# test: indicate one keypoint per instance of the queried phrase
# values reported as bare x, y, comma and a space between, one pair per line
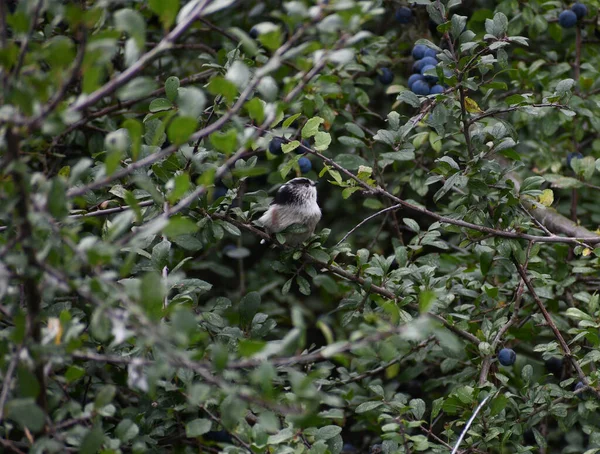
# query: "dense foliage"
454, 272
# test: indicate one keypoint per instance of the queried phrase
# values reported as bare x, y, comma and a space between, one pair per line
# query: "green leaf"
190, 101
152, 295
225, 142
221, 86
350, 161
311, 127
327, 432
139, 87
160, 104
104, 396
132, 23
180, 129
92, 441
322, 141
197, 427
172, 86
368, 406
248, 307
256, 110
280, 437
126, 430
26, 413
57, 200
166, 10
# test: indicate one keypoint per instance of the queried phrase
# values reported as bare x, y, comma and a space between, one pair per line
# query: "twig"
60, 94
25, 42
133, 70
563, 344
367, 219
32, 295
233, 435
7, 379
485, 367
469, 422
491, 113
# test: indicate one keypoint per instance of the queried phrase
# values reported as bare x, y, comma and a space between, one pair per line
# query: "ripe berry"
218, 192
418, 65
429, 77
253, 33
304, 146
221, 436
420, 87
386, 76
507, 357
403, 15
305, 164
418, 51
554, 365
275, 145
579, 386
413, 78
579, 9
567, 19
573, 155
430, 53
436, 90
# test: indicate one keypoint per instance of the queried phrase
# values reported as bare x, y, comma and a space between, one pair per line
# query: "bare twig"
367, 219
469, 422
136, 68
7, 379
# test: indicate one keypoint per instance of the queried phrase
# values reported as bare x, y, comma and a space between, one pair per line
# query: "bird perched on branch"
295, 210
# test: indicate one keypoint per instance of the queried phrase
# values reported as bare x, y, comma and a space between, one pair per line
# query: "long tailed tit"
294, 203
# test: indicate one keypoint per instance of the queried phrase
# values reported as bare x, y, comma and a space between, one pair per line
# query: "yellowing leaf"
472, 106
55, 328
586, 252
547, 197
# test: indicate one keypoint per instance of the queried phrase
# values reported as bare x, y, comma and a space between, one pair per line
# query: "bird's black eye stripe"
285, 196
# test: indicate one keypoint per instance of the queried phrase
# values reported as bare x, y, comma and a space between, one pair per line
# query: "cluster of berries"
569, 17
423, 81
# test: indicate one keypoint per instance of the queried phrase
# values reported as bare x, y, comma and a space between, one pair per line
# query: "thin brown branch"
491, 113
32, 295
131, 72
557, 334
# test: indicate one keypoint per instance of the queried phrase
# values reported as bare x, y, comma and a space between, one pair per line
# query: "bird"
295, 204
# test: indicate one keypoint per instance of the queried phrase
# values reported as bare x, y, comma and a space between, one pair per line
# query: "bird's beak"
313, 183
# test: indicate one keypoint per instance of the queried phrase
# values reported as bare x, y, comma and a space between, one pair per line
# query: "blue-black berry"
275, 145
304, 146
567, 19
573, 155
403, 15
418, 65
579, 9
253, 33
414, 78
418, 51
436, 90
507, 357
554, 365
304, 164
420, 87
579, 386
386, 76
430, 53
429, 77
